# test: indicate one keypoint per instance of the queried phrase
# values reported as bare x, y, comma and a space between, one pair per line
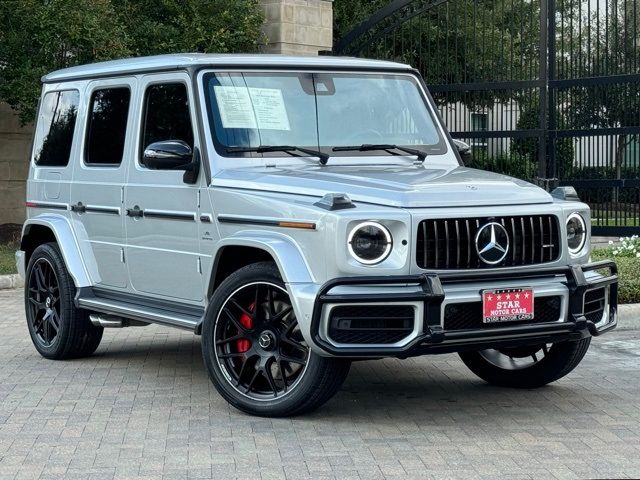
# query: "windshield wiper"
323, 157
366, 147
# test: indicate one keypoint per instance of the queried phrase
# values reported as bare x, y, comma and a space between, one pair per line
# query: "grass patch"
628, 271
8, 259
615, 222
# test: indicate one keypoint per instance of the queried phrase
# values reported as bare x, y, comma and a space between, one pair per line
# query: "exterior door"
99, 175
162, 221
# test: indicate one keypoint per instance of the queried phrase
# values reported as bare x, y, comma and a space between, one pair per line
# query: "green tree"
38, 36
165, 26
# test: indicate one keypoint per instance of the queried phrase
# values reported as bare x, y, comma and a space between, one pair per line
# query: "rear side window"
166, 114
107, 128
56, 124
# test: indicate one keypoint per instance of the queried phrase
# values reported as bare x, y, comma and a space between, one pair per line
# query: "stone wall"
298, 27
15, 143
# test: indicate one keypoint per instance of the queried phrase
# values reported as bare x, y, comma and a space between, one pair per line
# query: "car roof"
182, 61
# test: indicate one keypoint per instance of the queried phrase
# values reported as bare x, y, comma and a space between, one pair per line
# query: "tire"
58, 329
546, 363
254, 352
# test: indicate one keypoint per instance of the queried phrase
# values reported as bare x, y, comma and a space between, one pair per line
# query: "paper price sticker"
242, 107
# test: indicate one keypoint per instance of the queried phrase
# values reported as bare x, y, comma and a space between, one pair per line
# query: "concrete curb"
11, 281
629, 316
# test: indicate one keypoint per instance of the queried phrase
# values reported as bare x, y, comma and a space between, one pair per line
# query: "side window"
107, 126
166, 114
56, 124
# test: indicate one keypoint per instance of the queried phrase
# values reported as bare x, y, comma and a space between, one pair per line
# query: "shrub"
628, 268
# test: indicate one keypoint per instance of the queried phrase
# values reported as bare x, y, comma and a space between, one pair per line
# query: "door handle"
78, 208
135, 212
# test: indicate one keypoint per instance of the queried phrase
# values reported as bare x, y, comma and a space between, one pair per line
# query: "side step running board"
141, 313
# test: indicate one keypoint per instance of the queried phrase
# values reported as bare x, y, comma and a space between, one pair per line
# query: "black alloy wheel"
255, 351
258, 343
58, 329
44, 302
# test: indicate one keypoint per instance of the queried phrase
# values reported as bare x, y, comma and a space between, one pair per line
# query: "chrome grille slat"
523, 236
550, 240
468, 244
533, 241
437, 249
457, 244
446, 241
513, 235
541, 239
448, 244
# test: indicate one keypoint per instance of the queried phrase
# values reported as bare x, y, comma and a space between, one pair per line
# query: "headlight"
576, 233
369, 243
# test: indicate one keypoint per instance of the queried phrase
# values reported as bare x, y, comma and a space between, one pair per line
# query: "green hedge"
628, 271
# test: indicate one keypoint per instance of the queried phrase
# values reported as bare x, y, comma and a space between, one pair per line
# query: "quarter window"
56, 124
166, 114
107, 127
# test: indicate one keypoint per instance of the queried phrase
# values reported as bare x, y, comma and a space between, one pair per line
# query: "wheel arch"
249, 247
55, 228
255, 246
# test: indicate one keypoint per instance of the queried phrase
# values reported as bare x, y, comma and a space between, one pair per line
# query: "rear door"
162, 242
98, 180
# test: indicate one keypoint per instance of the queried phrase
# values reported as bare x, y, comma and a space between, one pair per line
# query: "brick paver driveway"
143, 407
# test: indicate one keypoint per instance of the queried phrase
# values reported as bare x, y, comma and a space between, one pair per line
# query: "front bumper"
429, 293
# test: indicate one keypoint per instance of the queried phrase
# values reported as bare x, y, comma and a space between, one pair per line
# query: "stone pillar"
15, 142
298, 27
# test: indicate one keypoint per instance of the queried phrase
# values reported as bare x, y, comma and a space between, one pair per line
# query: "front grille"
368, 324
450, 243
463, 316
594, 304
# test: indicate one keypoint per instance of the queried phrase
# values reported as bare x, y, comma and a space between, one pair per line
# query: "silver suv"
298, 213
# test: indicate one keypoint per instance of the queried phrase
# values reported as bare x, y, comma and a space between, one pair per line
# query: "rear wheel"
58, 329
255, 353
526, 367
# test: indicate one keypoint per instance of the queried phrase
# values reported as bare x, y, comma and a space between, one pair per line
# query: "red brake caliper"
245, 320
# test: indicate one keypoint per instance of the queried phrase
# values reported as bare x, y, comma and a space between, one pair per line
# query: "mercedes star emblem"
492, 243
265, 340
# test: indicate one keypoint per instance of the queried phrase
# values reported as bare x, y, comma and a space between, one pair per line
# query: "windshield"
318, 110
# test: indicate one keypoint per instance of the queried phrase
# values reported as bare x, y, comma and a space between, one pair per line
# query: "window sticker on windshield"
269, 108
235, 107
242, 107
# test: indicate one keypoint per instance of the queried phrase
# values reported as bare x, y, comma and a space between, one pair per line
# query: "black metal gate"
546, 90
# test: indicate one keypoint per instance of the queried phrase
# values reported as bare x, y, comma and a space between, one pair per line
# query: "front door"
162, 211
99, 175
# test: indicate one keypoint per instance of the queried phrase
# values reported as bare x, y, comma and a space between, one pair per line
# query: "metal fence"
546, 90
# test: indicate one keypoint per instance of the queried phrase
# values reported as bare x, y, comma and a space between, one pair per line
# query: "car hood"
399, 186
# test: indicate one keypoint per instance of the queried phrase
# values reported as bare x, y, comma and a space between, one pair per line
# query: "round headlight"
369, 243
576, 233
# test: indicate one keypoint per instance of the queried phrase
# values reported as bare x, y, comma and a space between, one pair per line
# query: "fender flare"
79, 261
289, 259
286, 253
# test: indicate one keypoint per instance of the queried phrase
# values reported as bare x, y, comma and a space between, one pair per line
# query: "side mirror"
168, 155
464, 149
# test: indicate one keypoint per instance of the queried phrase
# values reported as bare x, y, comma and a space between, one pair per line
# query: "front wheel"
526, 367
255, 353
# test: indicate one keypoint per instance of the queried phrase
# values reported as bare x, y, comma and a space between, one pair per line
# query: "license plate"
507, 305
